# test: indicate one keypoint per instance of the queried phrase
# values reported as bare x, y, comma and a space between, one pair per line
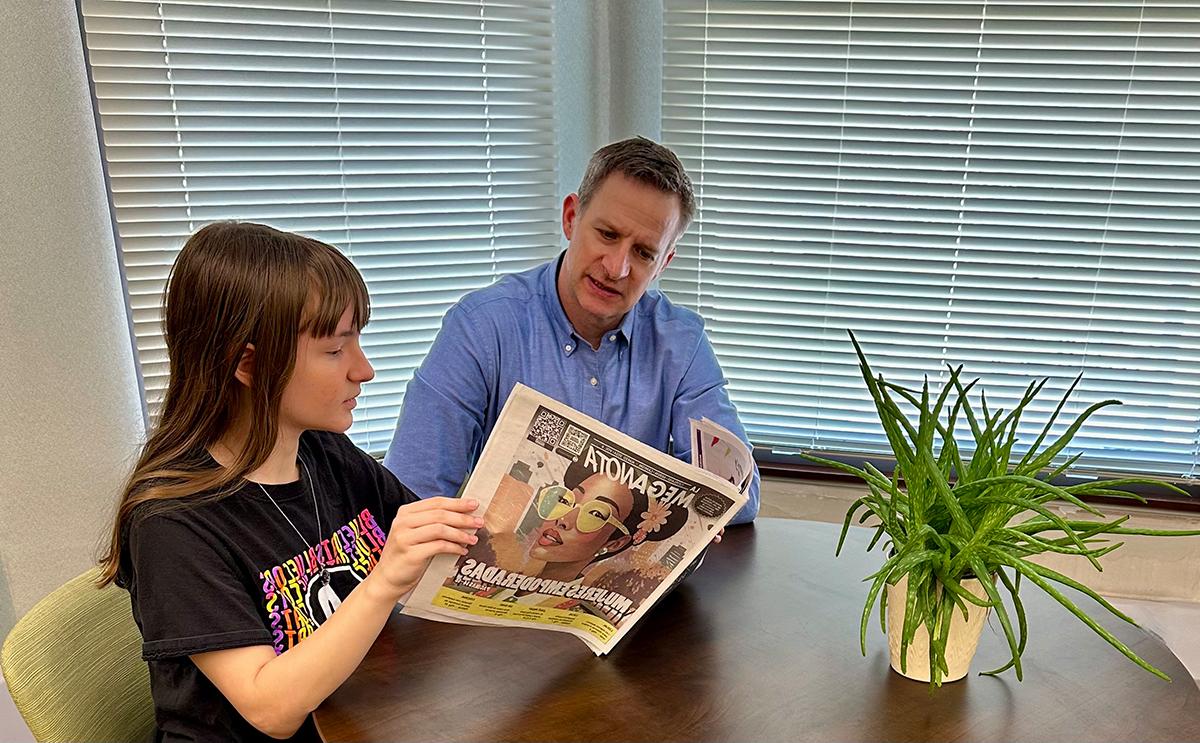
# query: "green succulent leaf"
958, 506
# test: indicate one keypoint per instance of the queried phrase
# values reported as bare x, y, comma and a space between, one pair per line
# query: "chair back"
74, 667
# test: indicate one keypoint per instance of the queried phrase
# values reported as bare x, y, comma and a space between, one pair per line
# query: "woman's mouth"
549, 537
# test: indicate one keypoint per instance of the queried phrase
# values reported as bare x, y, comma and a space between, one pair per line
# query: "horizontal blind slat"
411, 136
1007, 185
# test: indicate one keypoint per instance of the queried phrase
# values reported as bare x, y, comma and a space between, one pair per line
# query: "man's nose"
616, 262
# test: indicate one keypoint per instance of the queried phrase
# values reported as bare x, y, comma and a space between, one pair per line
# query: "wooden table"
761, 644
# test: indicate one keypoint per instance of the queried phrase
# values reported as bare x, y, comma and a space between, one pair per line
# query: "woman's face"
325, 383
560, 540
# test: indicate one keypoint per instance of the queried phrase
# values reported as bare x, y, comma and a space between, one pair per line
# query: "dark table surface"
760, 644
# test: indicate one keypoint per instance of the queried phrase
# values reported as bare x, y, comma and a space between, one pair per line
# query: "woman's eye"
596, 512
565, 500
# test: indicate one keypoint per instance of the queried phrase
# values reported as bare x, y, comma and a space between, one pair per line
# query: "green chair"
74, 668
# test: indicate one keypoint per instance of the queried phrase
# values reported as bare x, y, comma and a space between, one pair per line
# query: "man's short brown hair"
643, 160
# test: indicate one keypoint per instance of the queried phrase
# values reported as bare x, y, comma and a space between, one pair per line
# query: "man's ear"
245, 367
570, 211
667, 262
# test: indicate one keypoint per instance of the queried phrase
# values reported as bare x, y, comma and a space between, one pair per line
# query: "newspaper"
585, 528
716, 449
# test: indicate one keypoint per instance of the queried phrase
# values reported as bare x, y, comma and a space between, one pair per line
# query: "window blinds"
1013, 186
414, 136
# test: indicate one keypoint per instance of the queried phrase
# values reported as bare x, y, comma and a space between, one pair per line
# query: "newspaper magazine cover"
581, 532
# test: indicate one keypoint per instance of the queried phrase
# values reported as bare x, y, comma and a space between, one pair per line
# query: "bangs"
334, 285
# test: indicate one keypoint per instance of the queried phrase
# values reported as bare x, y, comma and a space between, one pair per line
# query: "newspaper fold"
716, 449
585, 528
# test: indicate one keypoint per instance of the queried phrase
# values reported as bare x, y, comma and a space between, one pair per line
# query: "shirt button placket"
592, 375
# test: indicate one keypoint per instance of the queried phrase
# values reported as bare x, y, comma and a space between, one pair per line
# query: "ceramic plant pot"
960, 645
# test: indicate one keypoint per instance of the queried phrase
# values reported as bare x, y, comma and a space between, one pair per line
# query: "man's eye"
335, 352
608, 234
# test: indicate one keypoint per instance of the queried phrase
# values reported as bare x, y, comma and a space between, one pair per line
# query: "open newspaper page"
584, 527
717, 450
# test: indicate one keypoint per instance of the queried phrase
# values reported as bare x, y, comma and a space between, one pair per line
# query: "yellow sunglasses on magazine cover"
556, 501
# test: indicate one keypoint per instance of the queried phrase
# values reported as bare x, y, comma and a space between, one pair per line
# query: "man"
581, 328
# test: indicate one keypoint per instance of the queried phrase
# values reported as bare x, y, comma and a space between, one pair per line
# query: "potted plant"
961, 523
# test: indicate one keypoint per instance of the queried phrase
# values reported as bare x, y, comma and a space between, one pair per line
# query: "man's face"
617, 245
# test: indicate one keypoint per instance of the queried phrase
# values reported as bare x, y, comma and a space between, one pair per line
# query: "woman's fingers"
427, 551
434, 532
423, 529
463, 505
439, 516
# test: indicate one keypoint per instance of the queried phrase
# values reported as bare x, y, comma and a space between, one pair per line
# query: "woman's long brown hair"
233, 284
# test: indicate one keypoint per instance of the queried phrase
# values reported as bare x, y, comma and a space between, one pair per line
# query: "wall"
71, 414
608, 78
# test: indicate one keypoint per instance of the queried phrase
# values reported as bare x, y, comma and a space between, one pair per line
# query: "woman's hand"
420, 531
275, 693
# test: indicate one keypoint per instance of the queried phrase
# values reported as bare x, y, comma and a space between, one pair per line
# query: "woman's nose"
363, 371
568, 519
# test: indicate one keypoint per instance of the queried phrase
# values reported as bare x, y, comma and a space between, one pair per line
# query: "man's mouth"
602, 288
549, 537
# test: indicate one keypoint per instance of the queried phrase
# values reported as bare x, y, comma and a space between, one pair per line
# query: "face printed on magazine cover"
570, 534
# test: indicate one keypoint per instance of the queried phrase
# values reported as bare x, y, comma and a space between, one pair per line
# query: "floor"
1147, 585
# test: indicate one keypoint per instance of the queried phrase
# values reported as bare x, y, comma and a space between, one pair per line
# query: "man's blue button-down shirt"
649, 376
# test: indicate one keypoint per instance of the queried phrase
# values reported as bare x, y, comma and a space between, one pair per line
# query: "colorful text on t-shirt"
294, 597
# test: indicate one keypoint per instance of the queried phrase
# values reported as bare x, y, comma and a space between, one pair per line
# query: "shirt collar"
568, 339
628, 322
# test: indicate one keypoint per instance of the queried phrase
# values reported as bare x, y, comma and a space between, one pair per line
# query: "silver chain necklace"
324, 572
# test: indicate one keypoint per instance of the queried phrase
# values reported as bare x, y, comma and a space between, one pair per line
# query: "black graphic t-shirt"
234, 573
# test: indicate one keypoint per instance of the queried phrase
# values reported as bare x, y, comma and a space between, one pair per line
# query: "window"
1014, 186
414, 136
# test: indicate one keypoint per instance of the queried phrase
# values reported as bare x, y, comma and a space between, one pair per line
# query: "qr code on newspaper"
547, 428
574, 440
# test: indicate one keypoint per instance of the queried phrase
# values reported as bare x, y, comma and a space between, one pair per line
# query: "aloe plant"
948, 518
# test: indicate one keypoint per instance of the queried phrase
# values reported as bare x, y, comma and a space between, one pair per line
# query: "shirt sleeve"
440, 429
702, 394
392, 492
186, 596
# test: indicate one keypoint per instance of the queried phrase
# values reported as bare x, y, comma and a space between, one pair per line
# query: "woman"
592, 517
250, 517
